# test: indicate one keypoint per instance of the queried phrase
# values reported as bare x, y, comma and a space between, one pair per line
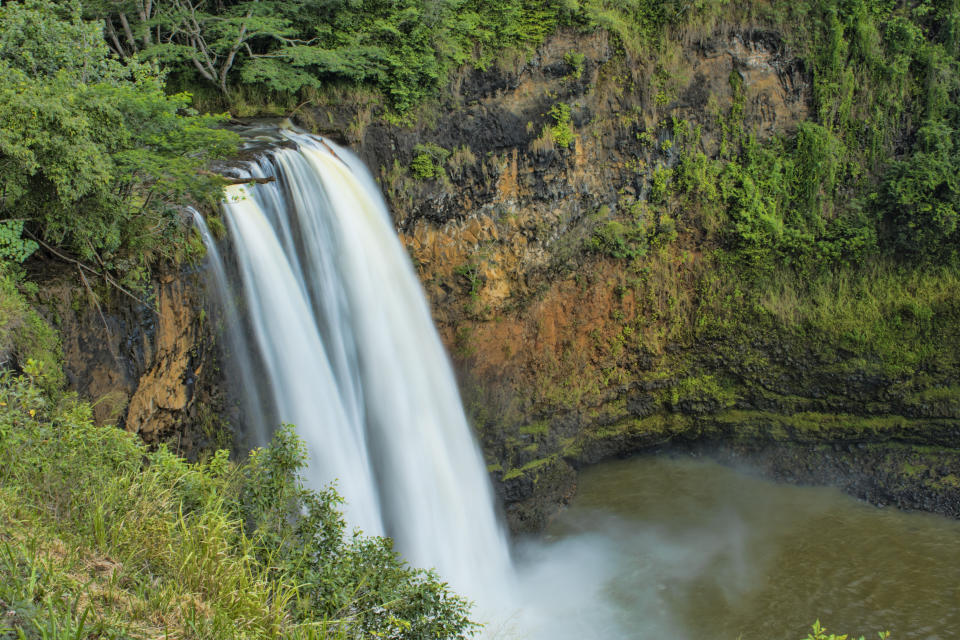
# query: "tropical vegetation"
101, 537
847, 226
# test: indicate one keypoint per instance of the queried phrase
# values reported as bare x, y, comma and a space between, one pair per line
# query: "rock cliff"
148, 363
512, 195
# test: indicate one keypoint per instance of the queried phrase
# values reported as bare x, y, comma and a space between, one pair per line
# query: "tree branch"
128, 32
203, 72
228, 63
114, 40
96, 301
231, 181
82, 266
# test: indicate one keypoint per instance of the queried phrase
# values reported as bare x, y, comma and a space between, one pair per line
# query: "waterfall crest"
351, 357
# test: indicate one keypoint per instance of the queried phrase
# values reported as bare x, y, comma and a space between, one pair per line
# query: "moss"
936, 395
511, 474
948, 482
533, 467
539, 428
913, 470
810, 426
657, 424
536, 464
653, 429
571, 449
26, 339
706, 388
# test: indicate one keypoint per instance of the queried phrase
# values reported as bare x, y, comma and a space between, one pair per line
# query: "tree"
209, 36
94, 155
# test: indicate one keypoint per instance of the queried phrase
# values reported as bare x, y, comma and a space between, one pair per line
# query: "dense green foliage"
404, 49
878, 153
27, 341
95, 157
561, 131
873, 174
101, 537
428, 161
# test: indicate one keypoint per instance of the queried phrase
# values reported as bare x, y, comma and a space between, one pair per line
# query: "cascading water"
253, 401
351, 358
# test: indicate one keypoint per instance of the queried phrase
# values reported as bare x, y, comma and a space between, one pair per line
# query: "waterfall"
252, 400
351, 357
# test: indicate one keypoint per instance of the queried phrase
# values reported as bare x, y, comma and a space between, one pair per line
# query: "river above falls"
687, 548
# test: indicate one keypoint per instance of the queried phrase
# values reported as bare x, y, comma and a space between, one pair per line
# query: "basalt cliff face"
570, 349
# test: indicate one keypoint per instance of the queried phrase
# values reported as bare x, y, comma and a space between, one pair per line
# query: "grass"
901, 313
100, 537
533, 465
87, 525
539, 428
812, 426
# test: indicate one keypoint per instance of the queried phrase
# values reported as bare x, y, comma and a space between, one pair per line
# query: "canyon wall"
149, 361
587, 314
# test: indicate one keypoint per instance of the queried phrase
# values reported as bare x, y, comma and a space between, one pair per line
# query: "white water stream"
351, 357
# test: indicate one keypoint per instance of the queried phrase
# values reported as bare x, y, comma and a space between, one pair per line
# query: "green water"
681, 548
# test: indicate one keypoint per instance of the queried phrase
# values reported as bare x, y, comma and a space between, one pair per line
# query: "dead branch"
231, 181
88, 269
332, 152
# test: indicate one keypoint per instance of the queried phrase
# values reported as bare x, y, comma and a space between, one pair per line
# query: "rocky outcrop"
149, 365
165, 389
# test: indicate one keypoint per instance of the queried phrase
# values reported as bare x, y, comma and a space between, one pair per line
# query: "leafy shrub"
921, 197
617, 240
621, 239
660, 187
576, 61
819, 632
561, 131
26, 339
13, 247
96, 157
427, 163
470, 272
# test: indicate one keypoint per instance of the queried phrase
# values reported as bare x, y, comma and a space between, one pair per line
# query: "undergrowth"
101, 537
